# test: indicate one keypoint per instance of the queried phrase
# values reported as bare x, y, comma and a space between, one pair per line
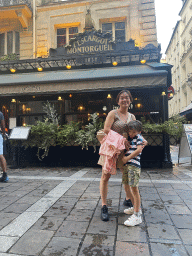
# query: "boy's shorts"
131, 175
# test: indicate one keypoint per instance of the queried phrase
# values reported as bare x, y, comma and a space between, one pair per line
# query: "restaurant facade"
79, 55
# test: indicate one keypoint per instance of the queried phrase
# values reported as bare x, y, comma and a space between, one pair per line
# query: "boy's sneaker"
104, 213
127, 203
133, 221
4, 177
131, 211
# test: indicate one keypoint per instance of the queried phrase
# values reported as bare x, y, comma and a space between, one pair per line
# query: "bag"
100, 135
120, 164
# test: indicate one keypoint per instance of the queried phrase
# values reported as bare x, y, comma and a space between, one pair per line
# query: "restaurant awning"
138, 76
187, 110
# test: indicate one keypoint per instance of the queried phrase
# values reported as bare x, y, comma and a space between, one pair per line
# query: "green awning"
137, 76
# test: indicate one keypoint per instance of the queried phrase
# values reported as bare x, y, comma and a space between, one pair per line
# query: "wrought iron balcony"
5, 3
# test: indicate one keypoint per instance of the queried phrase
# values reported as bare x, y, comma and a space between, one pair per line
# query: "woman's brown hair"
124, 91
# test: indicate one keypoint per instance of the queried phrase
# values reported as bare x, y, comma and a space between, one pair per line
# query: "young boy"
132, 170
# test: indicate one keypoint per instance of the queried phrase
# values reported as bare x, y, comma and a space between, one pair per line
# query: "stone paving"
54, 212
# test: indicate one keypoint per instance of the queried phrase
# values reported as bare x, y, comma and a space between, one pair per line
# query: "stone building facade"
179, 54
38, 25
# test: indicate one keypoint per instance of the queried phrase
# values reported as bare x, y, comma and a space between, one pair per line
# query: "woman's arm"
133, 117
109, 121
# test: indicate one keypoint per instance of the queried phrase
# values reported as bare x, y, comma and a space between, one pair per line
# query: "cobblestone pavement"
54, 212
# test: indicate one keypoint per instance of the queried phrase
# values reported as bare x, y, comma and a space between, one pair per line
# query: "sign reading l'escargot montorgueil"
89, 43
95, 47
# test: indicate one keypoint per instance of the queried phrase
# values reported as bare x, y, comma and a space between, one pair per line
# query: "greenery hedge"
50, 133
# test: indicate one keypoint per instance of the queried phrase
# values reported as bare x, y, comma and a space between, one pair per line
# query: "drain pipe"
34, 29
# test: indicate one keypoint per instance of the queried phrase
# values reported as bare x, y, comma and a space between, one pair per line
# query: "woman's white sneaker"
133, 221
131, 211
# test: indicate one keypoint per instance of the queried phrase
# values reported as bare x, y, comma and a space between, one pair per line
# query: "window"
117, 30
9, 43
64, 35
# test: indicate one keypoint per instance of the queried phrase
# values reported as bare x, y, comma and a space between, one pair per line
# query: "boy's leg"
125, 182
135, 219
134, 175
137, 199
128, 193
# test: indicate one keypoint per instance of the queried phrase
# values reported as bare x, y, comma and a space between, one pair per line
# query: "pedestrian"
132, 171
4, 177
117, 121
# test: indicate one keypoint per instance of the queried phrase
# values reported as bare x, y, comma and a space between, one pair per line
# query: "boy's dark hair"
135, 125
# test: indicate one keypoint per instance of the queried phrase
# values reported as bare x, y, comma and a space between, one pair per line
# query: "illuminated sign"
90, 44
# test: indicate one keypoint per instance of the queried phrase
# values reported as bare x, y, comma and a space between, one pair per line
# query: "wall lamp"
13, 70
68, 66
142, 61
39, 69
114, 63
109, 96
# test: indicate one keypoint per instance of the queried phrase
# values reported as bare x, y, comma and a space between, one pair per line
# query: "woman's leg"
104, 187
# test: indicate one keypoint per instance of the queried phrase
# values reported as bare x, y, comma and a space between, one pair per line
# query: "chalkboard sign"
185, 148
19, 133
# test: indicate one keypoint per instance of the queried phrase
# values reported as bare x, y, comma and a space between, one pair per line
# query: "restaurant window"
9, 43
30, 112
117, 30
65, 34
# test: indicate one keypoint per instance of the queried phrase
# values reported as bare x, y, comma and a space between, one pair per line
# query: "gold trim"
66, 14
66, 25
113, 19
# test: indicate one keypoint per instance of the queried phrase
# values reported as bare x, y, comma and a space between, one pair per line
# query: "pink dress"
119, 127
111, 147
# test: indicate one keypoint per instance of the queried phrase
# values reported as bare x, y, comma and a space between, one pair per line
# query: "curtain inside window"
2, 44
9, 42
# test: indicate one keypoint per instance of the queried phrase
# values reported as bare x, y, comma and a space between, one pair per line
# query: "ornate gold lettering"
96, 48
91, 48
94, 38
69, 51
79, 49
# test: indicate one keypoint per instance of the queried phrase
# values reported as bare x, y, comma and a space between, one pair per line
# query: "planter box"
152, 155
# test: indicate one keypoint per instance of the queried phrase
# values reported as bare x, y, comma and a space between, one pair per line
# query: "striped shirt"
134, 142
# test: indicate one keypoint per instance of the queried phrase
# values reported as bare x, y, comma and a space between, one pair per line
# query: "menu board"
185, 149
19, 133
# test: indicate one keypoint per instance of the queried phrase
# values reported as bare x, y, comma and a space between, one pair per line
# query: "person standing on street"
4, 177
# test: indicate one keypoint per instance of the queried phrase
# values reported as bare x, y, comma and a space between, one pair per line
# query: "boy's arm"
139, 149
145, 142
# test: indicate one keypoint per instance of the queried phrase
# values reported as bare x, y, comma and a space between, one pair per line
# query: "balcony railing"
4, 3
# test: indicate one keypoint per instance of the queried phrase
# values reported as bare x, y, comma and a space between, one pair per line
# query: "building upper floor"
30, 28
